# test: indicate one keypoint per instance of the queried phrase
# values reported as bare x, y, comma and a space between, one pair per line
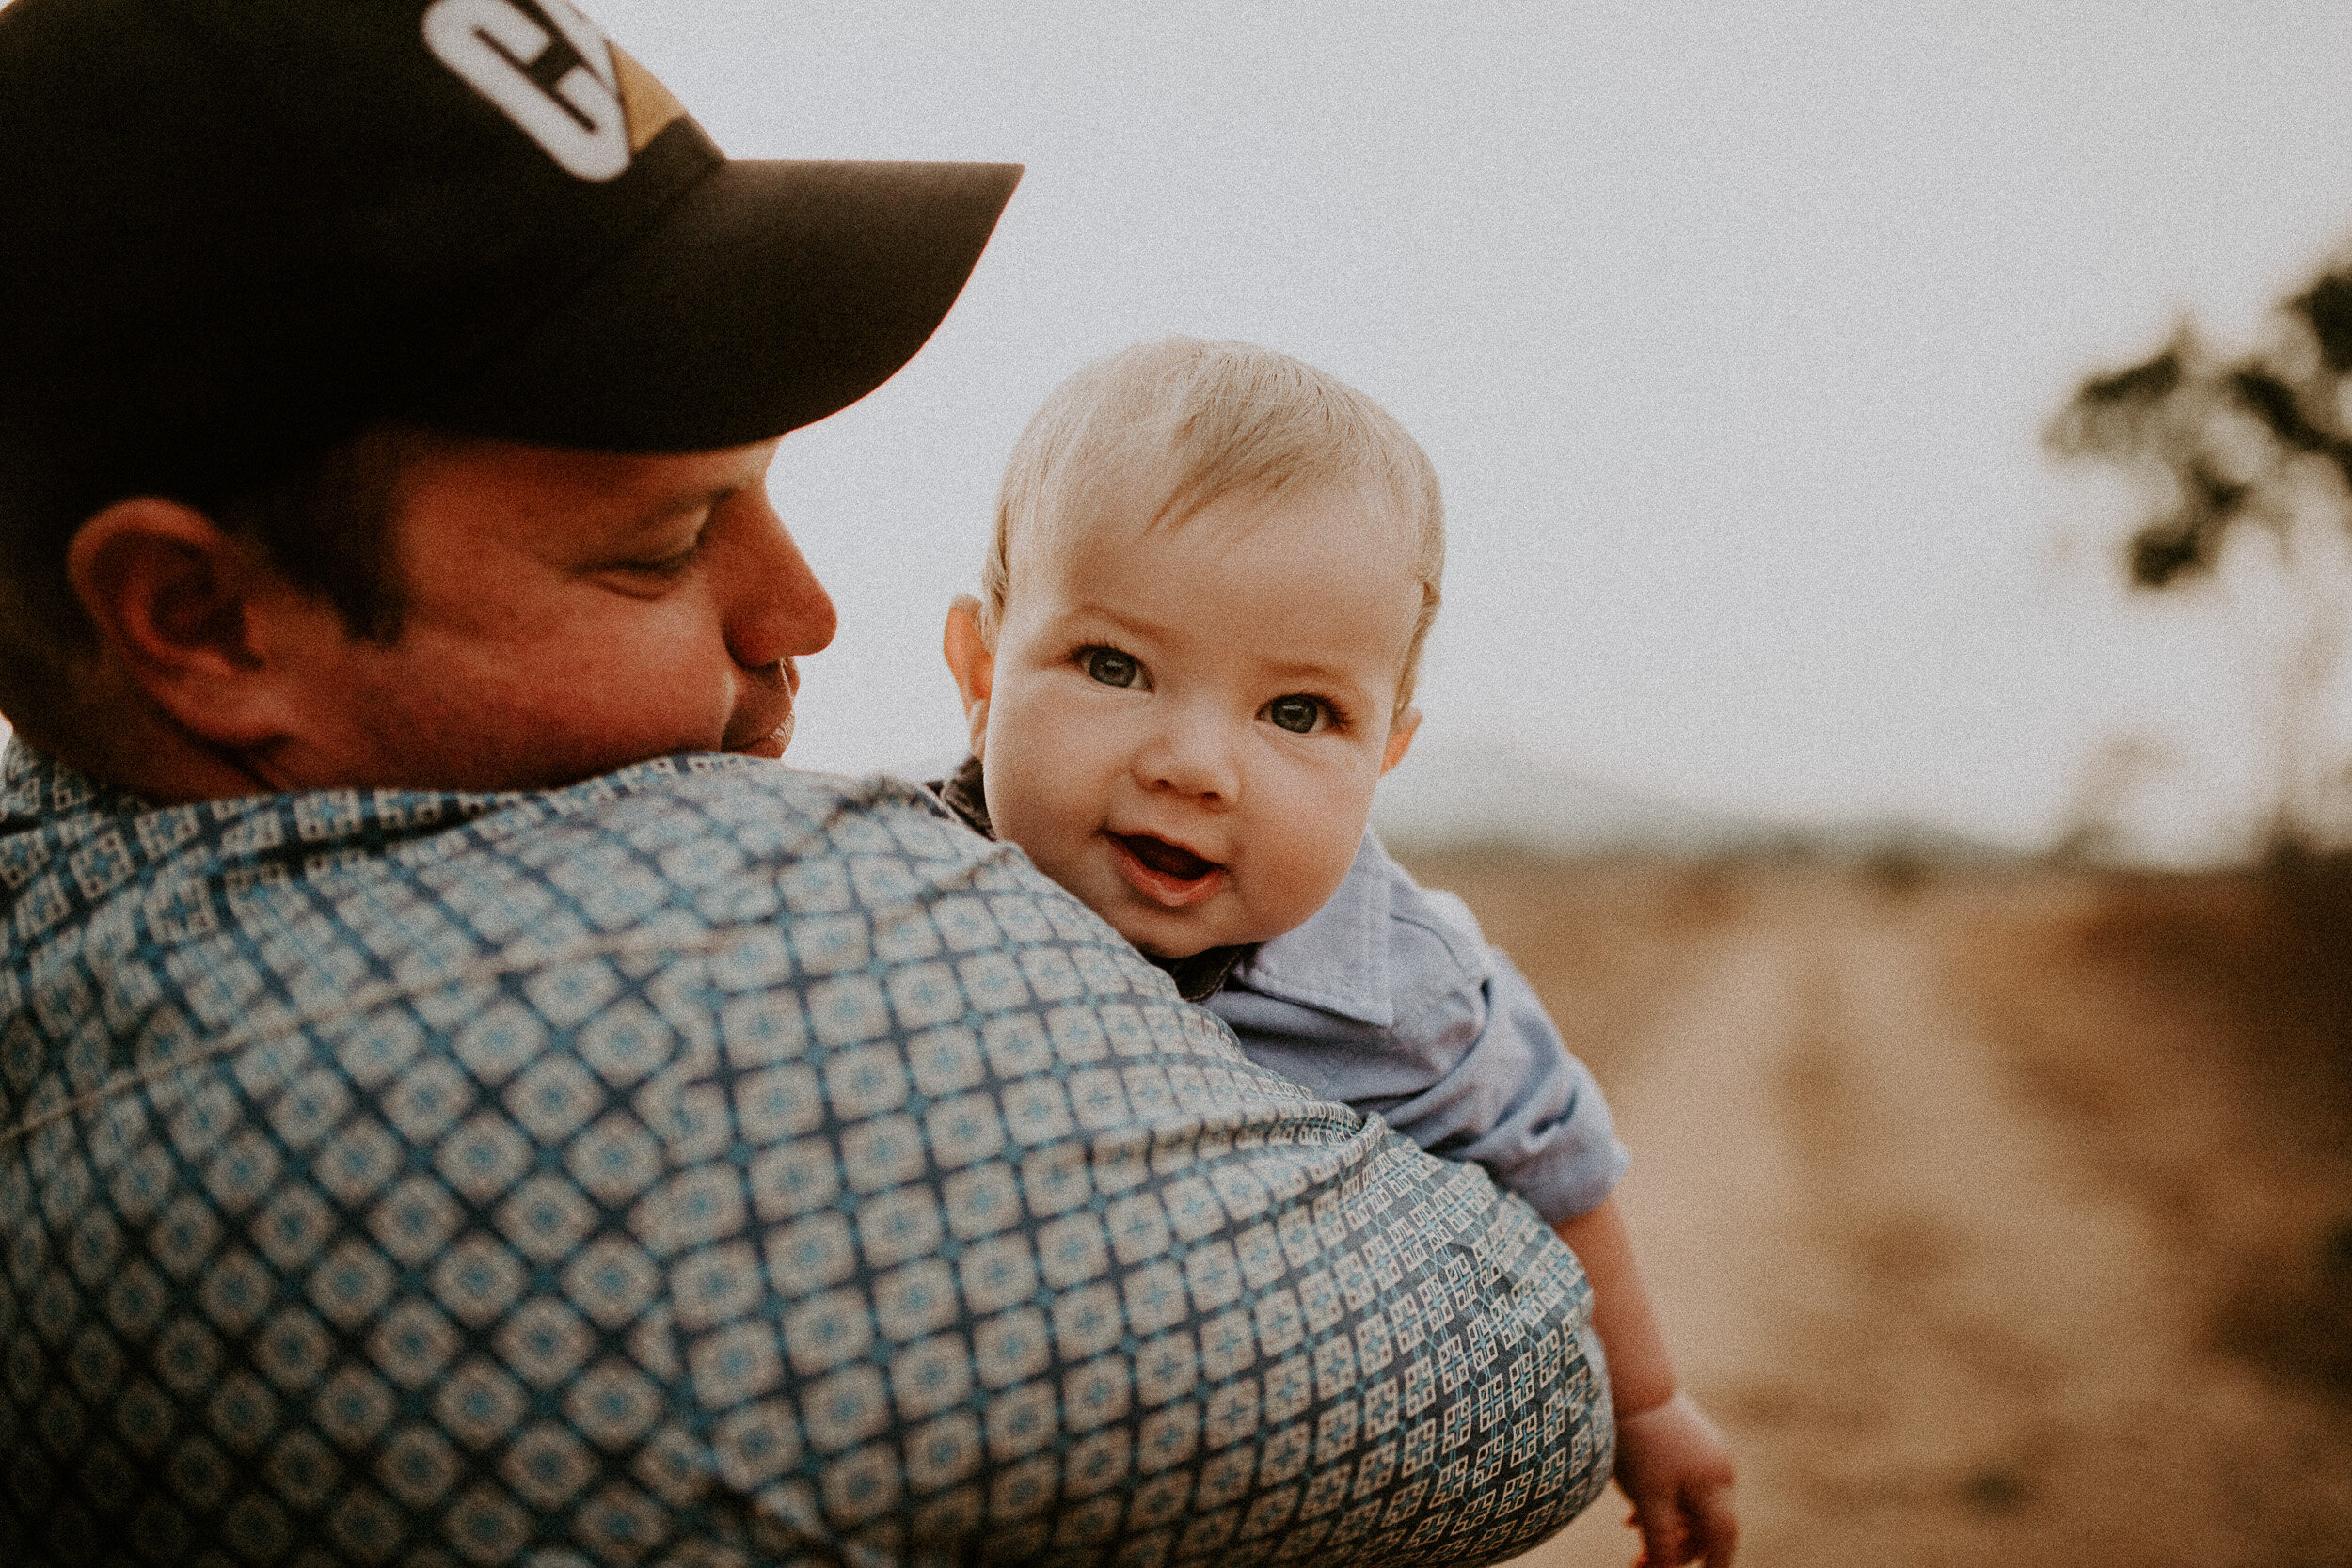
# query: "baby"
1192, 658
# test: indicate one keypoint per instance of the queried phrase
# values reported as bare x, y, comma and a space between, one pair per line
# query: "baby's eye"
1110, 666
1298, 715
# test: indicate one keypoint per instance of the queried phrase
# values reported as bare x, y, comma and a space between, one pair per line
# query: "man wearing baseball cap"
461, 1100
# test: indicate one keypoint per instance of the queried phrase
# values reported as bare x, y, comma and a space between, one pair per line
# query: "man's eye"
680, 543
1110, 666
1298, 715
670, 565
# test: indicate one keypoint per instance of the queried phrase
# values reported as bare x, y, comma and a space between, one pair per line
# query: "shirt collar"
35, 789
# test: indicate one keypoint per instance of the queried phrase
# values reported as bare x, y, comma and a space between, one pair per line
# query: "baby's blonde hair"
1160, 431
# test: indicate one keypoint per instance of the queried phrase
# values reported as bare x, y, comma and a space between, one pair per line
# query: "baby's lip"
1167, 873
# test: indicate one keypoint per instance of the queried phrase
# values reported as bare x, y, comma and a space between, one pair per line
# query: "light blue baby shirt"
1390, 999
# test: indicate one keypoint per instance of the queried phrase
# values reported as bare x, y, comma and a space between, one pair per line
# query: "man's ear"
1400, 731
172, 597
973, 664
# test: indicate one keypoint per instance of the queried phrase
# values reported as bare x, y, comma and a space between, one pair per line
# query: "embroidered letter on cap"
491, 43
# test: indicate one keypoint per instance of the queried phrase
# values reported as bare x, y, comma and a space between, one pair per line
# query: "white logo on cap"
492, 43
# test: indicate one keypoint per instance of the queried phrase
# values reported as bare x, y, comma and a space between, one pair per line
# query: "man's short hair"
326, 520
1158, 432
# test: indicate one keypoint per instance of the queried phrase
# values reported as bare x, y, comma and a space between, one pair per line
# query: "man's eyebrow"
662, 508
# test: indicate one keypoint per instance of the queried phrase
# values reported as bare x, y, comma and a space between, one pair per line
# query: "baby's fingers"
1717, 1525
1687, 1528
1673, 1466
1665, 1536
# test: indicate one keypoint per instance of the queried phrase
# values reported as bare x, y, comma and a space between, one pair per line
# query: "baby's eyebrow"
1091, 609
1314, 671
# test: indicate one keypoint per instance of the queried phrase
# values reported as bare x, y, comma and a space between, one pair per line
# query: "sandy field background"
2001, 1217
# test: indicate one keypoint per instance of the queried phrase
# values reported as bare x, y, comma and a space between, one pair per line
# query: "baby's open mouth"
1166, 858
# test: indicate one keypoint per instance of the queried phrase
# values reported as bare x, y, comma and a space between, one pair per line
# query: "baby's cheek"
1305, 883
1029, 812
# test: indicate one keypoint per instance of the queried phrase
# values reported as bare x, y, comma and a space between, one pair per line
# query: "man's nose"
1192, 752
775, 607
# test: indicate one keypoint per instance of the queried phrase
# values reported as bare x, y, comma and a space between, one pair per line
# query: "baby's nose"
1194, 755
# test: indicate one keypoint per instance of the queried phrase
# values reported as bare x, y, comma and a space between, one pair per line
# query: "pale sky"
1730, 330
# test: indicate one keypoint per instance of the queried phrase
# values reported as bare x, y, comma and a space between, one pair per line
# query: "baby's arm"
1672, 1463
1453, 1049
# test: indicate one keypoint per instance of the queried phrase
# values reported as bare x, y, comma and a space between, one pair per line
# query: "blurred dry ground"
2000, 1216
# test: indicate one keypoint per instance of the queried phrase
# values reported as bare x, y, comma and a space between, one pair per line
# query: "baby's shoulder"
1436, 953
1383, 950
1430, 923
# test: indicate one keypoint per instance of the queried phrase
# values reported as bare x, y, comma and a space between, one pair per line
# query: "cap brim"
770, 294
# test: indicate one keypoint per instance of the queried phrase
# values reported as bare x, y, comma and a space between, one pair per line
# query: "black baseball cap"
234, 232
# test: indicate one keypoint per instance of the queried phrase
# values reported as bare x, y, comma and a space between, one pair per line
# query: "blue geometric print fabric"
708, 1164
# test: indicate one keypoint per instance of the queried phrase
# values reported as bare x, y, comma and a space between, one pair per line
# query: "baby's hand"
1673, 1467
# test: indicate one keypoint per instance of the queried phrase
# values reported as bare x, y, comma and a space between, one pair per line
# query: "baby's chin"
1172, 940
1168, 948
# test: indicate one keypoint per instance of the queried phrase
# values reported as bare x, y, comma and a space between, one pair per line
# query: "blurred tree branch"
2228, 453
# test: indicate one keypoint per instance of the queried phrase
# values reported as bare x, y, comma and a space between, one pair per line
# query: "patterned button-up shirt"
708, 1164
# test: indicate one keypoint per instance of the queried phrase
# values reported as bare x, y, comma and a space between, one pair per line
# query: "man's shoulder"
761, 806
764, 809
710, 841
825, 841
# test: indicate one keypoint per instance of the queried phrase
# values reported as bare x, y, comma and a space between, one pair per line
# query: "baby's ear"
972, 663
1400, 731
